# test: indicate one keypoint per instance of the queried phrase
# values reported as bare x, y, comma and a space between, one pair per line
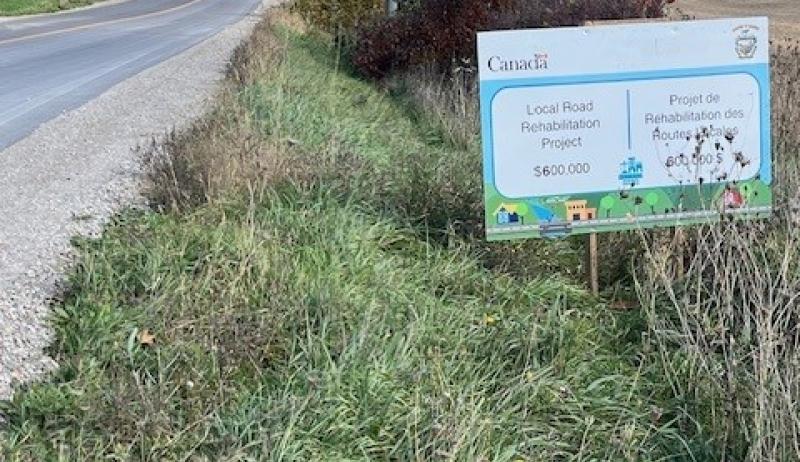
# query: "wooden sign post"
591, 265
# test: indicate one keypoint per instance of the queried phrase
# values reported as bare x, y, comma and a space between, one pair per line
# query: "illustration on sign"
581, 135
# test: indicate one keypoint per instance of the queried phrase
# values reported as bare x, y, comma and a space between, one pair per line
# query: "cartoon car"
555, 228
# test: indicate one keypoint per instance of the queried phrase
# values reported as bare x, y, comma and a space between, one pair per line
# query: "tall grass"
301, 311
724, 308
721, 300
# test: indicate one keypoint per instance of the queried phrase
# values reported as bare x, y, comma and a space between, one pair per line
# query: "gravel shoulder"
72, 174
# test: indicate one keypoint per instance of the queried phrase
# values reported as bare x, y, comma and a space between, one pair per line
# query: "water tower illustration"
631, 172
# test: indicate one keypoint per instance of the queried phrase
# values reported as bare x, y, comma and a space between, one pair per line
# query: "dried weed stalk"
723, 306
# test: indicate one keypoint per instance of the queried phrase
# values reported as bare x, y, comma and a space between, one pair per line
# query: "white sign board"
641, 111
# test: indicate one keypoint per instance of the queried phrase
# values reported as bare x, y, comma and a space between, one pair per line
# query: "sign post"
591, 265
618, 127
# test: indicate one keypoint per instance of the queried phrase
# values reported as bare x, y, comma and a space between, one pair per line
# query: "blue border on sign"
490, 88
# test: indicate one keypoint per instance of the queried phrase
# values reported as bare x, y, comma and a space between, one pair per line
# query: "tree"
608, 203
652, 199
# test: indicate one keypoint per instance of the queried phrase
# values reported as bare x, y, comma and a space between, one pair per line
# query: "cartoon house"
508, 214
631, 171
732, 198
577, 211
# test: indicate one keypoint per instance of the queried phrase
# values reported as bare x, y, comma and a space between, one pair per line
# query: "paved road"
784, 14
50, 64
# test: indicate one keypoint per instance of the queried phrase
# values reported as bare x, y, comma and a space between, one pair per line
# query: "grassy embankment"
314, 293
20, 7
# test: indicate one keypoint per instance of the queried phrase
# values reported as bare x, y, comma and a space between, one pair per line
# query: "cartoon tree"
607, 203
651, 199
749, 191
523, 210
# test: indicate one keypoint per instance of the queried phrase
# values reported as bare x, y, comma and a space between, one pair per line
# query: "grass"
721, 301
316, 292
302, 329
22, 7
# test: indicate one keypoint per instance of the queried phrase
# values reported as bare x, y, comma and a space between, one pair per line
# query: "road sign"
605, 128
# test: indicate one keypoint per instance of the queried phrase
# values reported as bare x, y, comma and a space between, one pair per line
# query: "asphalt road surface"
54, 63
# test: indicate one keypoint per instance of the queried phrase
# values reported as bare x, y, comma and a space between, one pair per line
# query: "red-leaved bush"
444, 31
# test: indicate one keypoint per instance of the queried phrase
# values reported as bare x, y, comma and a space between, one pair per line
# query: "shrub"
337, 15
444, 31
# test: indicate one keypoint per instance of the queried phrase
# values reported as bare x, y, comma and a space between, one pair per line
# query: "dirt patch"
784, 15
